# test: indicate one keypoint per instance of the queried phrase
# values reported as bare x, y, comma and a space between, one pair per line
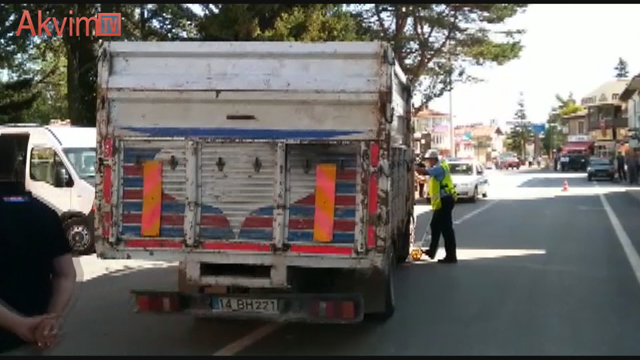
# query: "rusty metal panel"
400, 199
237, 191
301, 184
172, 155
246, 90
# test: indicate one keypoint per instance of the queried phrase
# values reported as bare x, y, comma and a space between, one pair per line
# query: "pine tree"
521, 132
16, 97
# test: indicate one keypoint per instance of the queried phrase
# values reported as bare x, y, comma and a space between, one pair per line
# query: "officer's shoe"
431, 255
447, 261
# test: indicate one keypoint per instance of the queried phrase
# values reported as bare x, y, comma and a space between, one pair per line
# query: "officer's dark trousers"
442, 223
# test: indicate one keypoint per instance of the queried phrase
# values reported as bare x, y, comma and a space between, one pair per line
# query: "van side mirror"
62, 178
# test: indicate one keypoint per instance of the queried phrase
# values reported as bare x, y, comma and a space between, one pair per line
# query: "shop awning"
577, 145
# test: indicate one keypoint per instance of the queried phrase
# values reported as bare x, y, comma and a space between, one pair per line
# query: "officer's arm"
64, 282
9, 320
64, 272
437, 172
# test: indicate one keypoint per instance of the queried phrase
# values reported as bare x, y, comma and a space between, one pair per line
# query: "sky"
567, 48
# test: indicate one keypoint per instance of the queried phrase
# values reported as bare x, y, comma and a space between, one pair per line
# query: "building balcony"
618, 122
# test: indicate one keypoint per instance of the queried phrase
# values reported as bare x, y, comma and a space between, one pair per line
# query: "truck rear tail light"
334, 309
157, 303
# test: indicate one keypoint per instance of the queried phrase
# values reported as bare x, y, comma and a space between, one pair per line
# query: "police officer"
443, 198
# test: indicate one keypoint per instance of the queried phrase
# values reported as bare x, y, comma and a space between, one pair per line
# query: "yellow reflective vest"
439, 189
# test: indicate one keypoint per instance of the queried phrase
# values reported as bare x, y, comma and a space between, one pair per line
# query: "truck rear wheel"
388, 292
404, 241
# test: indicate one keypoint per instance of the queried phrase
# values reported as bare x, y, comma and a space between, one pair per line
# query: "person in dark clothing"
37, 275
622, 174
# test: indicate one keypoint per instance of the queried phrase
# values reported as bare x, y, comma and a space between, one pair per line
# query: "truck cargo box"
265, 154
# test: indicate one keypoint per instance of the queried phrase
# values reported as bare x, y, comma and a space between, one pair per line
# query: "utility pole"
451, 130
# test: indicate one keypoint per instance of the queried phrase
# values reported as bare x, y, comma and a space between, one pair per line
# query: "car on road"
573, 161
469, 179
508, 161
600, 168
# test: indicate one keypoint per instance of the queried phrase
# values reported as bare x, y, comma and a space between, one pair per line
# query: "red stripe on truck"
373, 196
321, 249
152, 243
236, 246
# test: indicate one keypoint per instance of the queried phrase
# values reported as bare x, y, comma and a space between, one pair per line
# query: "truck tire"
388, 291
79, 235
404, 242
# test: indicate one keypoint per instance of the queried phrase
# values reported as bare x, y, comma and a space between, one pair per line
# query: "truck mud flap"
312, 308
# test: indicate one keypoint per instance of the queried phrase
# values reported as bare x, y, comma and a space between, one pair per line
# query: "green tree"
16, 97
271, 22
622, 69
554, 136
79, 53
49, 61
435, 43
520, 133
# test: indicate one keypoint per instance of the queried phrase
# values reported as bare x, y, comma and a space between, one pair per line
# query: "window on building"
580, 127
614, 96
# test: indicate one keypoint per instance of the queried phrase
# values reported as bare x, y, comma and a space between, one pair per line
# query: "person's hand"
48, 330
26, 327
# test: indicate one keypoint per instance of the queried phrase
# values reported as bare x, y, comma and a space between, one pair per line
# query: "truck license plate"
268, 306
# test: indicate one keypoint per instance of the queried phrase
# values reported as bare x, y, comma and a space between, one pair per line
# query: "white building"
440, 136
479, 141
631, 95
426, 119
437, 124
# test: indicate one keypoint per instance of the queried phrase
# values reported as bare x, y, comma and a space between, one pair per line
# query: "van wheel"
79, 236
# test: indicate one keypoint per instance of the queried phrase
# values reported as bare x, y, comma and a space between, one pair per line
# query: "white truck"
56, 163
279, 175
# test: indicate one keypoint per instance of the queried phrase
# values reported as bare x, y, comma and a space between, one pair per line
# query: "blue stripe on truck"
242, 133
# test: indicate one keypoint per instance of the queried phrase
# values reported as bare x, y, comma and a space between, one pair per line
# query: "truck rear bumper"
249, 258
314, 308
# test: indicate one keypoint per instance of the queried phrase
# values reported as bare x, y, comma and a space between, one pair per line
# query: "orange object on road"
565, 186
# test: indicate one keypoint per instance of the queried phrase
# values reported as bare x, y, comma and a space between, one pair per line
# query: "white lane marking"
475, 212
627, 245
248, 340
466, 217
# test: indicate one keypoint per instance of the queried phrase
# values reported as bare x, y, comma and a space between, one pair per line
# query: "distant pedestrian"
37, 275
443, 198
622, 174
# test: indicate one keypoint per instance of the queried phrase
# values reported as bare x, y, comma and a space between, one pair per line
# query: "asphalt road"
541, 272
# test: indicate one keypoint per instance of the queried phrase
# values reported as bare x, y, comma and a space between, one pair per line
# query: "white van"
57, 165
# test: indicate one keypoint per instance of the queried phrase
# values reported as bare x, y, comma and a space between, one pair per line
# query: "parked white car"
469, 178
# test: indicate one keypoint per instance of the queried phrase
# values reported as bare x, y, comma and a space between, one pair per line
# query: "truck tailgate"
237, 189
